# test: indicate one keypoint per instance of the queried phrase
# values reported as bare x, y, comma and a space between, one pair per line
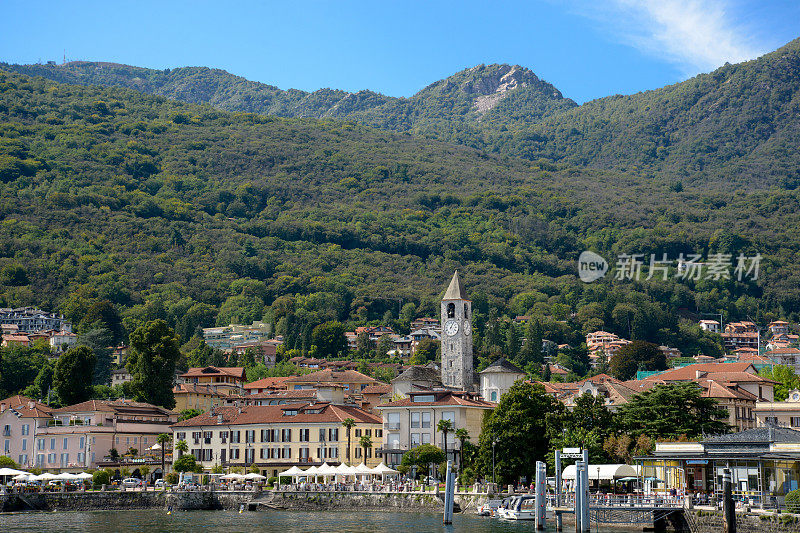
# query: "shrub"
172, 478
793, 501
101, 477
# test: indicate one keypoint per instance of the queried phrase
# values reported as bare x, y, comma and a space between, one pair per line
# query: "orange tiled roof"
233, 371
274, 414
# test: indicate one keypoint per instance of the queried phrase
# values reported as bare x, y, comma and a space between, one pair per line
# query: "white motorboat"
519, 508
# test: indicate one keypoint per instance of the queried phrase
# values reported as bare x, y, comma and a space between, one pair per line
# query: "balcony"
391, 426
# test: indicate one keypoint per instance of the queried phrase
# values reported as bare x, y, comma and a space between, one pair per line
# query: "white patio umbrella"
84, 475
232, 475
255, 477
66, 476
10, 472
22, 477
293, 472
47, 476
383, 470
363, 470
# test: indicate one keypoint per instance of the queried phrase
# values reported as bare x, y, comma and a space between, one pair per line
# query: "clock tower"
457, 371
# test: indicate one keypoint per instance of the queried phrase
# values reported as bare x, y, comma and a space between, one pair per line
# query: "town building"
276, 437
497, 378
417, 377
712, 326
412, 421
780, 414
83, 435
353, 382
21, 419
785, 356
32, 319
740, 335
764, 464
220, 378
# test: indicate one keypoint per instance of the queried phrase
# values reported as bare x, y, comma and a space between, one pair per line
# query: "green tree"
348, 424
101, 477
182, 447
463, 437
72, 379
7, 462
185, 463
98, 338
532, 349
786, 378
445, 426
512, 342
521, 426
44, 380
427, 350
329, 338
154, 352
671, 411
186, 414
366, 442
638, 355
590, 413
163, 439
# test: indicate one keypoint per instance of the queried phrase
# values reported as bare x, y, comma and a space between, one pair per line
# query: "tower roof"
455, 291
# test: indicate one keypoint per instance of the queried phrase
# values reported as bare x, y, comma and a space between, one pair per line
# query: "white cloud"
698, 35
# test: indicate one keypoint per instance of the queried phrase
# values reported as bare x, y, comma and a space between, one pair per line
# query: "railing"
636, 501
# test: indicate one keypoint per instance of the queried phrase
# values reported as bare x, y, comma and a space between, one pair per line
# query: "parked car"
131, 482
55, 483
159, 484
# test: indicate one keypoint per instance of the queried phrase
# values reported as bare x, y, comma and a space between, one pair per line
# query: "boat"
519, 508
489, 508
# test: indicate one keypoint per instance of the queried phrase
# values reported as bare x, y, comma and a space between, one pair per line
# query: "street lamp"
598, 480
494, 441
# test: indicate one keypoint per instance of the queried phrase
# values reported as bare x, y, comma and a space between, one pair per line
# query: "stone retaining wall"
185, 501
711, 522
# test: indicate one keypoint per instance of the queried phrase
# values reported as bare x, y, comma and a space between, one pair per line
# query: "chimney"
700, 374
31, 404
2, 407
219, 418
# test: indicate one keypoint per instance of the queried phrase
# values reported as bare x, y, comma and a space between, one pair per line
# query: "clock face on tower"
467, 327
451, 327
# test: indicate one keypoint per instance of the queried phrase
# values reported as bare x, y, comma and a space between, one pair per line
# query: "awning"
604, 472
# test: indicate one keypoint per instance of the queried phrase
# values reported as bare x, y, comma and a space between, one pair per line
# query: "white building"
497, 378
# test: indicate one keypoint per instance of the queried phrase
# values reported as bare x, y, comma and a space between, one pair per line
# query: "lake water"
282, 521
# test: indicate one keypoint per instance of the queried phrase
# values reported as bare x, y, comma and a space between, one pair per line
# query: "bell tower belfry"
456, 320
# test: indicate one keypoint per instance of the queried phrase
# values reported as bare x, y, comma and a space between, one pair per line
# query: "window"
424, 398
40, 444
207, 436
196, 436
24, 444
7, 447
451, 310
250, 435
236, 438
53, 444
40, 459
494, 396
81, 458
795, 421
322, 434
181, 435
393, 421
449, 415
234, 454
286, 435
415, 440
223, 457
82, 442
287, 452
358, 453
358, 433
26, 429
305, 435
23, 459
415, 420
393, 441
426, 420
304, 453
466, 311
333, 434
771, 420
7, 430
378, 433
223, 437
426, 438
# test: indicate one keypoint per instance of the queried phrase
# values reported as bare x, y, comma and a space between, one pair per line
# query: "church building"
457, 369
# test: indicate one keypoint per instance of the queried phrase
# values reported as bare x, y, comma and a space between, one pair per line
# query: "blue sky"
586, 48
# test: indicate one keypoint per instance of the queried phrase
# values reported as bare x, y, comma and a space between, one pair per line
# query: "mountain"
462, 105
734, 127
199, 216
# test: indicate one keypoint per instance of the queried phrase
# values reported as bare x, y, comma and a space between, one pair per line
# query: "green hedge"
793, 501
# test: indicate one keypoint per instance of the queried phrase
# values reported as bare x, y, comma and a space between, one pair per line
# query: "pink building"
21, 419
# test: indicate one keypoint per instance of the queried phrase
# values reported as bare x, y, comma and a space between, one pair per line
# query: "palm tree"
348, 424
445, 426
162, 439
182, 447
463, 436
366, 442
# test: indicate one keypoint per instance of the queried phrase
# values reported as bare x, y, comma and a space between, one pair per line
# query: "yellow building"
277, 437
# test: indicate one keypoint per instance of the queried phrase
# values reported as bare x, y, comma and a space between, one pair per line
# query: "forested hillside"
735, 127
199, 216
